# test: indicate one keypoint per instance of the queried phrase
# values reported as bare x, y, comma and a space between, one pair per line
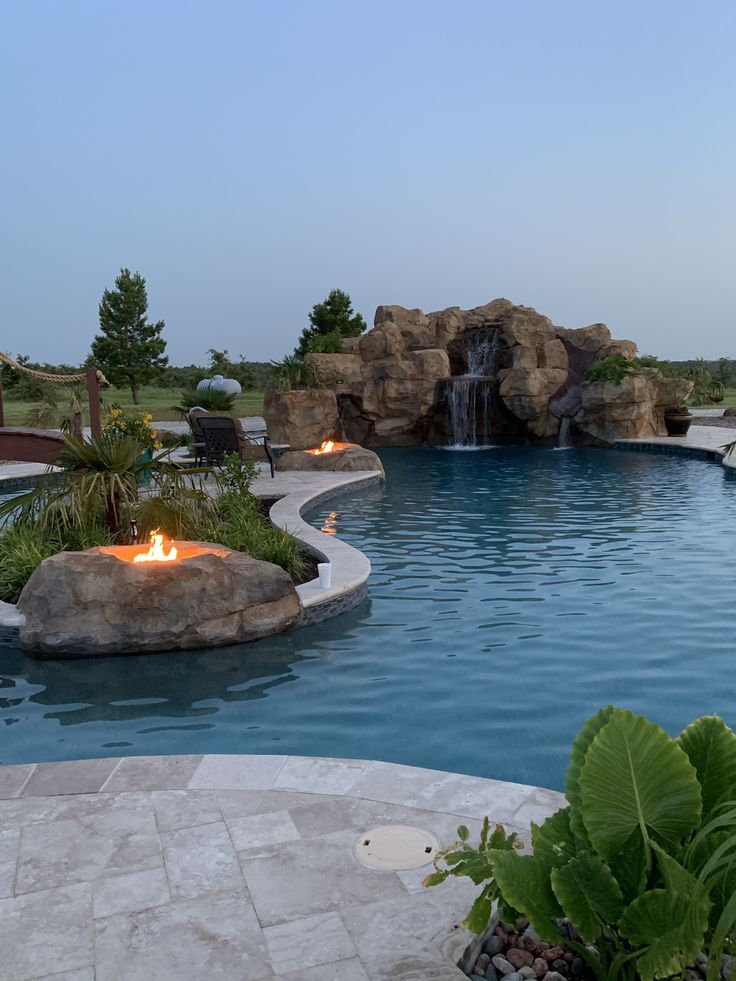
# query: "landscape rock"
518, 957
348, 457
82, 604
502, 965
633, 409
493, 945
303, 418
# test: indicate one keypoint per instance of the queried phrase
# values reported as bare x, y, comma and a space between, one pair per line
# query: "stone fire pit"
332, 456
99, 602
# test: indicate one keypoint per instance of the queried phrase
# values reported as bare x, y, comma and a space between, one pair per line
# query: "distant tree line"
252, 375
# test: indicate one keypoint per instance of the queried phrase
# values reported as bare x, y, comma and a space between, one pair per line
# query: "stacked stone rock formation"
388, 381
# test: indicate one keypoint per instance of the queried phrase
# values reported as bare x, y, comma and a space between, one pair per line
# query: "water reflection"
513, 592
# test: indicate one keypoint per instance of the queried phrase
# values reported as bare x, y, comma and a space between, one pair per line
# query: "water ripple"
514, 591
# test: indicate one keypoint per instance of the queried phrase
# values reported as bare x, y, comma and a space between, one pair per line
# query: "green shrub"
642, 862
325, 343
23, 546
243, 528
613, 369
210, 399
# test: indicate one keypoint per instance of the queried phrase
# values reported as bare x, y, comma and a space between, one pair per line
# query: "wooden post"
2, 410
93, 390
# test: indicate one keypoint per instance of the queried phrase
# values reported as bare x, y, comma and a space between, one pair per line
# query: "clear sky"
578, 157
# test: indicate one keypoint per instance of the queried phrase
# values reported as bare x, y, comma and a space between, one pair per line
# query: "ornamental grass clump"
640, 867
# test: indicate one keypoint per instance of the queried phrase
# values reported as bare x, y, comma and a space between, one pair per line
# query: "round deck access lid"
394, 847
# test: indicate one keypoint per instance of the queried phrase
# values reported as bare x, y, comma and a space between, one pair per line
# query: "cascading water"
469, 397
565, 439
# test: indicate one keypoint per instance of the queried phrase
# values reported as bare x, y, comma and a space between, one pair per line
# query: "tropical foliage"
210, 399
105, 486
293, 372
642, 861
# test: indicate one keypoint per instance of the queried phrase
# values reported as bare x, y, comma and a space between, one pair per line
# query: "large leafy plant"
642, 861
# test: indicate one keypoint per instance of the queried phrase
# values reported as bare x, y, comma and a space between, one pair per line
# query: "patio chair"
198, 448
224, 435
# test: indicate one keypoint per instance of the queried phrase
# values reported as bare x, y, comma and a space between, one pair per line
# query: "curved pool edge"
235, 859
298, 492
701, 442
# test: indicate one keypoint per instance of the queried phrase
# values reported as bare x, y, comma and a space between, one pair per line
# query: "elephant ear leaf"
480, 911
674, 876
629, 868
577, 757
524, 883
637, 784
670, 926
588, 894
711, 748
553, 841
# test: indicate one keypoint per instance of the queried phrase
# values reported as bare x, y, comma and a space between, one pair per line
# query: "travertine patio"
231, 867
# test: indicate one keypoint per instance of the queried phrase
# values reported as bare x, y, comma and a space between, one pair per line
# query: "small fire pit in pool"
135, 600
332, 456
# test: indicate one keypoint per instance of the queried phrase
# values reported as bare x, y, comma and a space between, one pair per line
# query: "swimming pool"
514, 591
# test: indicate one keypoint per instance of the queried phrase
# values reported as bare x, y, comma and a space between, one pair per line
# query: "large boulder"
632, 409
84, 604
346, 457
338, 372
301, 417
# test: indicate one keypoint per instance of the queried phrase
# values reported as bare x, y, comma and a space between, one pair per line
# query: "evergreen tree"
333, 318
129, 350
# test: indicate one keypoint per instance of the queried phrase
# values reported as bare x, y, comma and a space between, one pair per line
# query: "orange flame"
155, 551
327, 447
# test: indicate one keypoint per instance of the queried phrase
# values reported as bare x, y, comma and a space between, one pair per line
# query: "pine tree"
333, 317
129, 350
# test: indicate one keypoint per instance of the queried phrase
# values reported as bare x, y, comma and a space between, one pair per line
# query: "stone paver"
48, 931
200, 861
224, 867
308, 942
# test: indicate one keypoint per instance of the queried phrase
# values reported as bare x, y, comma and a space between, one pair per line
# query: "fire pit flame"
155, 551
327, 446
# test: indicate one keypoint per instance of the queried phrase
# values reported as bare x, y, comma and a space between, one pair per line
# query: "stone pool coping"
186, 867
300, 491
701, 442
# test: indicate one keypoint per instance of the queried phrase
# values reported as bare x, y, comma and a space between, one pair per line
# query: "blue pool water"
514, 591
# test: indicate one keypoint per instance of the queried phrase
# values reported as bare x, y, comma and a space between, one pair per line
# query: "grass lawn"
729, 401
157, 401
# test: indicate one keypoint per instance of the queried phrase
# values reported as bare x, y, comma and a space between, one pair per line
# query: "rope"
47, 377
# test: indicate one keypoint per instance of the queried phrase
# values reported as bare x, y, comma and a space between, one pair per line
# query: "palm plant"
293, 372
98, 483
210, 399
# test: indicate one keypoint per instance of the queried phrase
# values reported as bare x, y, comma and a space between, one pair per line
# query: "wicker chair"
223, 435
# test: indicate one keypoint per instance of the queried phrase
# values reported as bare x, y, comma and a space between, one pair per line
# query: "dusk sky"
577, 157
